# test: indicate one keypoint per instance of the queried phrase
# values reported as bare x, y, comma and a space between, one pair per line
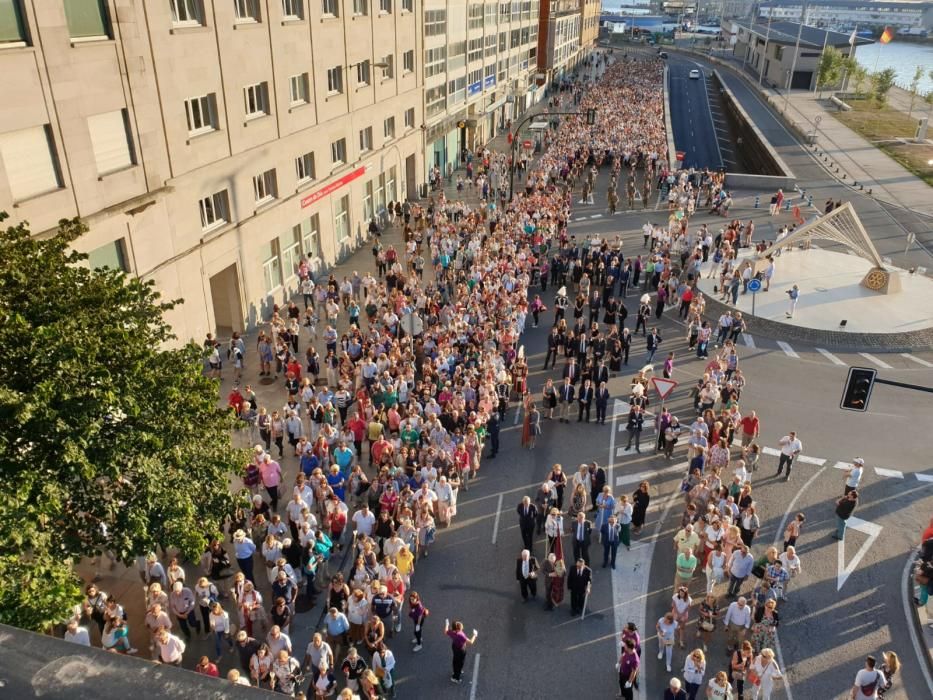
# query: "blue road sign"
754, 285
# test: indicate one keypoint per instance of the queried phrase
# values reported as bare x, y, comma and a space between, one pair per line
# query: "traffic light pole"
515, 138
904, 385
859, 384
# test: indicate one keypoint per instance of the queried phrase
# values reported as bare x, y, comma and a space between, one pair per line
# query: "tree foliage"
881, 84
108, 440
832, 64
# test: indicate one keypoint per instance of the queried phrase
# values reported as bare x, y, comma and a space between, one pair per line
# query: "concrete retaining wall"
671, 149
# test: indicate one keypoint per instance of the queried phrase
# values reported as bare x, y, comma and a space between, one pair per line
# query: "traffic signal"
591, 116
858, 389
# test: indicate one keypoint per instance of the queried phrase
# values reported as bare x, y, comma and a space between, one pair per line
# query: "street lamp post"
590, 120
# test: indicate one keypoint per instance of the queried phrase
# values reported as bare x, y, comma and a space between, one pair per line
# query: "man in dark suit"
526, 571
527, 514
582, 532
552, 347
578, 583
602, 402
492, 429
571, 370
583, 347
586, 396
652, 341
565, 398
597, 481
636, 421
598, 343
601, 373
610, 538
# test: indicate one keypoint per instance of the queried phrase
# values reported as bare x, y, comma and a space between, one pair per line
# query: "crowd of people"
389, 424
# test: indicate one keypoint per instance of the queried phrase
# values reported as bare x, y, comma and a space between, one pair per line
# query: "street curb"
838, 340
671, 147
917, 614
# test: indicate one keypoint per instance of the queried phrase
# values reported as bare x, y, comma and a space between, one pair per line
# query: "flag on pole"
886, 35
852, 38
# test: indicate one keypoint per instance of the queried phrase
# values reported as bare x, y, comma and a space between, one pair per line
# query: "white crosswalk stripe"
924, 477
842, 465
818, 461
749, 341
918, 360
893, 473
829, 356
871, 358
770, 451
788, 350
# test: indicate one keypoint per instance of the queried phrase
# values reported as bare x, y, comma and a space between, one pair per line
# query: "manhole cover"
267, 380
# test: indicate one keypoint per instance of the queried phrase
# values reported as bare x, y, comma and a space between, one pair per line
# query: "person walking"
579, 582
610, 535
636, 422
628, 669
868, 681
602, 403
694, 671
762, 674
794, 296
418, 614
653, 340
854, 475
526, 572
527, 515
845, 506
459, 643
737, 621
889, 668
667, 630
790, 448
740, 567
582, 536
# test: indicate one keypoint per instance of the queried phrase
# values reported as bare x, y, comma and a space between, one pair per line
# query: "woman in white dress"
667, 629
680, 609
765, 668
715, 567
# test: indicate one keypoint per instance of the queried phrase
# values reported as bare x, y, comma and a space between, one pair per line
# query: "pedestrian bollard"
810, 200
757, 200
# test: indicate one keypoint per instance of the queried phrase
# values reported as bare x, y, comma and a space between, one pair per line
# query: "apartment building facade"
211, 144
590, 11
479, 63
560, 46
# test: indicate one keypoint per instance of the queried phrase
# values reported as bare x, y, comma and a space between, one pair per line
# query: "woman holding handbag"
762, 674
708, 612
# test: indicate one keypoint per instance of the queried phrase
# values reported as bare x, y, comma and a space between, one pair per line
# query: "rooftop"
786, 33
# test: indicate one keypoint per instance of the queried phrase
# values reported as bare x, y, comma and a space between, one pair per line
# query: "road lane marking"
770, 451
872, 530
924, 477
749, 341
842, 465
818, 461
918, 360
871, 358
596, 216
829, 356
788, 350
894, 473
641, 476
495, 527
475, 677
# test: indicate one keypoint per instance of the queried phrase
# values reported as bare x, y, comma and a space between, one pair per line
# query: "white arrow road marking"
872, 530
829, 356
871, 358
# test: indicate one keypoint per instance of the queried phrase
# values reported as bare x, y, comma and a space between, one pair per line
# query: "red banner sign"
310, 199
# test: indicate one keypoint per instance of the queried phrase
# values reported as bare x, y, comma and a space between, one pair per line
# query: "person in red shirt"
207, 668
357, 426
235, 400
750, 428
928, 533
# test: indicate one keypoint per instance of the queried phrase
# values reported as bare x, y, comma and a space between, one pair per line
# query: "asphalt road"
691, 118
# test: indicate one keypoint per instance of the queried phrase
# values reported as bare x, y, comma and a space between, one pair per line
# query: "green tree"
832, 63
857, 76
881, 84
915, 88
109, 440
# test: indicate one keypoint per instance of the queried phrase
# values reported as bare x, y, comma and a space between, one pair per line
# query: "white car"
694, 74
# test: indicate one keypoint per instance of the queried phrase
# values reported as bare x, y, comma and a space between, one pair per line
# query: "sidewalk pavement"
856, 156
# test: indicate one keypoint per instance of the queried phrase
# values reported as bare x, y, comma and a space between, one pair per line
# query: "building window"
201, 113
264, 186
366, 139
390, 185
30, 162
298, 89
435, 100
290, 245
215, 210
362, 73
12, 27
271, 267
360, 7
381, 194
342, 218
388, 128
408, 5
410, 118
434, 61
475, 16
311, 237
408, 61
246, 11
187, 13
87, 19
338, 152
304, 167
335, 80
330, 8
256, 99
456, 90
475, 52
368, 201
112, 255
293, 9
389, 71
385, 7
435, 22
110, 139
